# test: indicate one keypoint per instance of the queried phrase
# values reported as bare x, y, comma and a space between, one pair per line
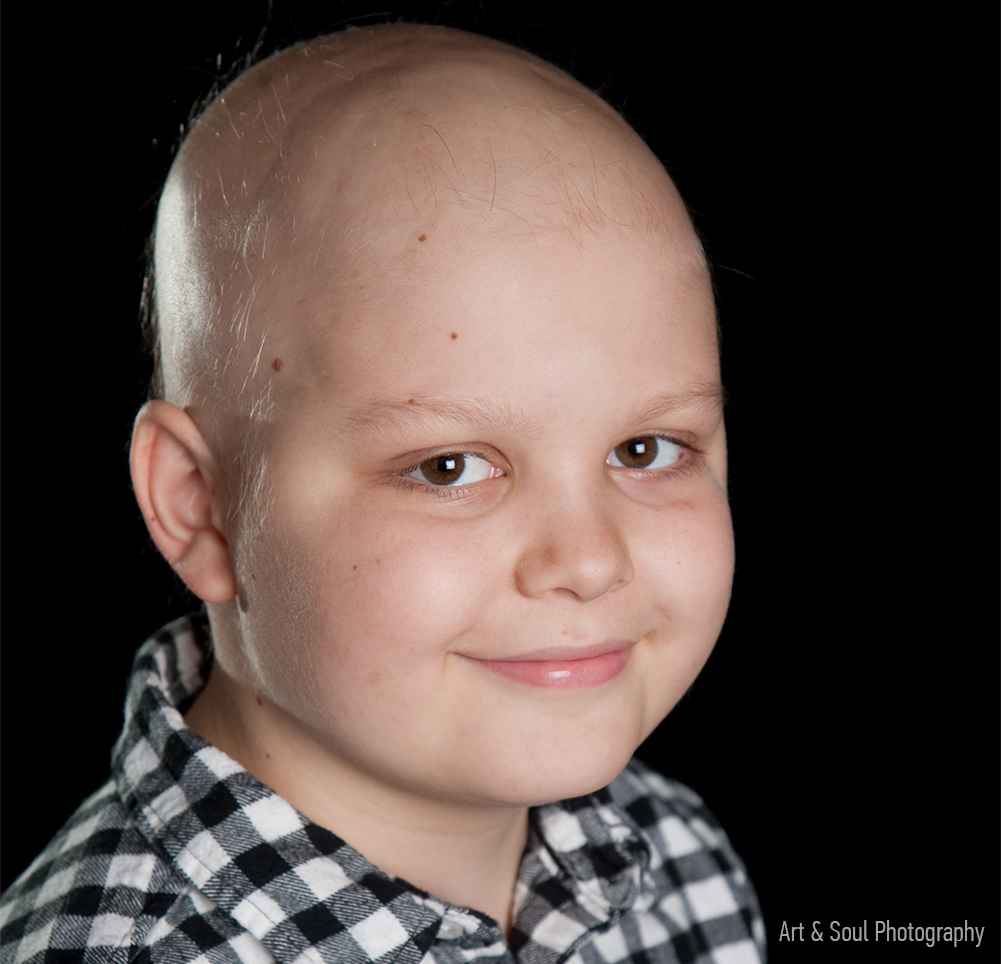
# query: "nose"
574, 549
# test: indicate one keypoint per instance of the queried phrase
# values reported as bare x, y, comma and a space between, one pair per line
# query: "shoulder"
700, 881
95, 892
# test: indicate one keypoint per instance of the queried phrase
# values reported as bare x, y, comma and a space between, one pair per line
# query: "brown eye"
645, 452
454, 469
445, 470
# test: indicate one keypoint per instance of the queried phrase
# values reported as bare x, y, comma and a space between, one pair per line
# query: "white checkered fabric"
185, 857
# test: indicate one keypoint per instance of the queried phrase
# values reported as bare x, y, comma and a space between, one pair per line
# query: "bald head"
327, 156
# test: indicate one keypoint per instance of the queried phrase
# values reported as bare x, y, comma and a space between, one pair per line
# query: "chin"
547, 778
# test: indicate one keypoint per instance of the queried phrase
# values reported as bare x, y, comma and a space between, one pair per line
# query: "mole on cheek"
454, 335
277, 364
423, 237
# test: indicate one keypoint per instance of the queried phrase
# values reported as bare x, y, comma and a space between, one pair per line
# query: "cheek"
399, 573
373, 599
692, 555
691, 577
276, 607
712, 555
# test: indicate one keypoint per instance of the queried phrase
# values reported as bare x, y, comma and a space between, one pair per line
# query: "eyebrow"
709, 396
484, 413
394, 413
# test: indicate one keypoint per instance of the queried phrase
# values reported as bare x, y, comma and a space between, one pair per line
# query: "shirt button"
449, 930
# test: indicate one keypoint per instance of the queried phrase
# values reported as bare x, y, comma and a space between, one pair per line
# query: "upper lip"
566, 653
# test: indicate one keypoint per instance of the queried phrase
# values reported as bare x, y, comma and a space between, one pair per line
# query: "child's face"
450, 529
488, 546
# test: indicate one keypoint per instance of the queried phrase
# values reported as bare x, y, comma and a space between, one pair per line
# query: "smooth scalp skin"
423, 298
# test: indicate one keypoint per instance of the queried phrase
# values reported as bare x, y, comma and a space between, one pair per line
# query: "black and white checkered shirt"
184, 856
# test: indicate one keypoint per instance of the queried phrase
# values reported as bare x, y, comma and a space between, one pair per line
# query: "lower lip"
561, 674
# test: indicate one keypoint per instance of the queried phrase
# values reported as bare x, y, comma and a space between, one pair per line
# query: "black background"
845, 730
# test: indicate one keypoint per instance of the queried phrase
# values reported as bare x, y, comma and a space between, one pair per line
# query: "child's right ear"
176, 481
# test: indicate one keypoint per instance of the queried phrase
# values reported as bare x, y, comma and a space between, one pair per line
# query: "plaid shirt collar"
295, 886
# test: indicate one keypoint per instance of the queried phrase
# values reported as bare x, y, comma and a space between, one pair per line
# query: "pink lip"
562, 669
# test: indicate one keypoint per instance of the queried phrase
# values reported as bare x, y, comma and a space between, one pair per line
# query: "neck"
467, 855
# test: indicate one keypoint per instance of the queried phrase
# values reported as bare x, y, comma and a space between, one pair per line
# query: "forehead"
467, 308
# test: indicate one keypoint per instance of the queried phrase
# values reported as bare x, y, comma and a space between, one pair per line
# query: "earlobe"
175, 477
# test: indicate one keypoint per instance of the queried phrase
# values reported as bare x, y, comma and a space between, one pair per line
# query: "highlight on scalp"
148, 317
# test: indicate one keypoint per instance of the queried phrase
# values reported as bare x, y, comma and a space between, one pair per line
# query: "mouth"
563, 669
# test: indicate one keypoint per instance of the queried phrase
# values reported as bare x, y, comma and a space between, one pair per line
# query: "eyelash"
688, 460
409, 484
